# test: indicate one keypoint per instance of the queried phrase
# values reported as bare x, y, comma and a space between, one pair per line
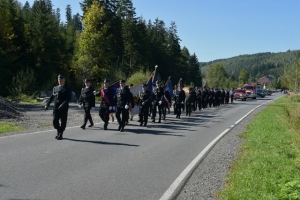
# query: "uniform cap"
106, 81
122, 81
61, 77
87, 80
144, 85
131, 85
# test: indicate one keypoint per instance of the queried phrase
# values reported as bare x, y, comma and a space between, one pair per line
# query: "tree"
217, 75
244, 76
93, 56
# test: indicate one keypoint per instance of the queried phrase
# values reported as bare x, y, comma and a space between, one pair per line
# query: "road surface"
140, 163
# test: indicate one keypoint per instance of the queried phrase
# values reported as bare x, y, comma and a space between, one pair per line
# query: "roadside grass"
268, 165
9, 127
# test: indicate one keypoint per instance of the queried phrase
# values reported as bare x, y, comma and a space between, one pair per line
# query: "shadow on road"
102, 142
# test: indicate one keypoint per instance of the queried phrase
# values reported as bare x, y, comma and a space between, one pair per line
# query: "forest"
108, 41
235, 71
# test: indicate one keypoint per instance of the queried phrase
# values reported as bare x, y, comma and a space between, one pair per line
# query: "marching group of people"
121, 102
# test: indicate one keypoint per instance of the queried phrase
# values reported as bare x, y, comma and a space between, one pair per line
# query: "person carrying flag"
158, 102
106, 104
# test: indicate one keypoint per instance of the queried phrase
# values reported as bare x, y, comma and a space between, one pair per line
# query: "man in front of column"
61, 95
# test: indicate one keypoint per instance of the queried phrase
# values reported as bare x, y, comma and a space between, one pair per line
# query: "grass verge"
9, 127
268, 166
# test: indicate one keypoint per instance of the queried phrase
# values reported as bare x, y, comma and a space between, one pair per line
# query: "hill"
258, 64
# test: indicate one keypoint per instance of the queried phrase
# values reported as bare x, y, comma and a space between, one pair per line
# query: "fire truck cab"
251, 90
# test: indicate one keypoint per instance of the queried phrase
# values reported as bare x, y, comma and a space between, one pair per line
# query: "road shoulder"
209, 176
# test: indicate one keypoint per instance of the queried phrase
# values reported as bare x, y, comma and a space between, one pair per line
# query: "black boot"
91, 125
122, 128
60, 136
57, 134
119, 127
83, 125
105, 126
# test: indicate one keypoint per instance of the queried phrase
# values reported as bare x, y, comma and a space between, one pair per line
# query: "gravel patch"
209, 177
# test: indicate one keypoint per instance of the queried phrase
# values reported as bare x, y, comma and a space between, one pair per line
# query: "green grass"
9, 127
268, 166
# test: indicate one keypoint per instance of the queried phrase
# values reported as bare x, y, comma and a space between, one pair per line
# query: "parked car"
45, 95
268, 92
240, 94
260, 93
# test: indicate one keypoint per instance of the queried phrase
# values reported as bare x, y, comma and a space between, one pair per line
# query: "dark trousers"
87, 115
125, 114
104, 114
199, 104
144, 111
61, 115
178, 109
189, 107
154, 110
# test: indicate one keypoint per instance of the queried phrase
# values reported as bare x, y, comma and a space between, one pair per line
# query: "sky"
217, 29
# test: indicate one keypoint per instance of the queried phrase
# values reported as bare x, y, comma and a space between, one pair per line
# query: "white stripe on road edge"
180, 181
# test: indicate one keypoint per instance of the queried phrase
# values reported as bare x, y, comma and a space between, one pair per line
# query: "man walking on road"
61, 95
123, 99
87, 98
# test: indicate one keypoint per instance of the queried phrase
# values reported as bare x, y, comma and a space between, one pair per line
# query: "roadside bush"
138, 78
22, 83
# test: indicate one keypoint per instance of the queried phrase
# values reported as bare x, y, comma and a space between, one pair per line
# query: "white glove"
126, 106
110, 108
114, 107
159, 102
152, 103
182, 102
192, 104
95, 93
79, 106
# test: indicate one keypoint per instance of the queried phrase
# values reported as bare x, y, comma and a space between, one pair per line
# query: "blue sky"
215, 29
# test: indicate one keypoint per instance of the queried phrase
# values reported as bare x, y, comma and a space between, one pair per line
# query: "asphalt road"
140, 163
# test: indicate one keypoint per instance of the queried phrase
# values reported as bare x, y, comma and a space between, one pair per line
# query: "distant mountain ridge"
258, 64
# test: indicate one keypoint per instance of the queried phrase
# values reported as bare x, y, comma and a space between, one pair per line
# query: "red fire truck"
251, 90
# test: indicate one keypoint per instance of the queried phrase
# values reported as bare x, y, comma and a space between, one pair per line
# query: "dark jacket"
87, 97
131, 99
122, 97
107, 100
145, 97
158, 93
180, 97
61, 96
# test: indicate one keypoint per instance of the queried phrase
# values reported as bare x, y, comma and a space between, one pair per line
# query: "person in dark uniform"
199, 98
166, 101
227, 96
106, 104
87, 98
189, 102
144, 102
179, 100
223, 95
193, 92
61, 95
158, 102
204, 98
123, 99
131, 105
